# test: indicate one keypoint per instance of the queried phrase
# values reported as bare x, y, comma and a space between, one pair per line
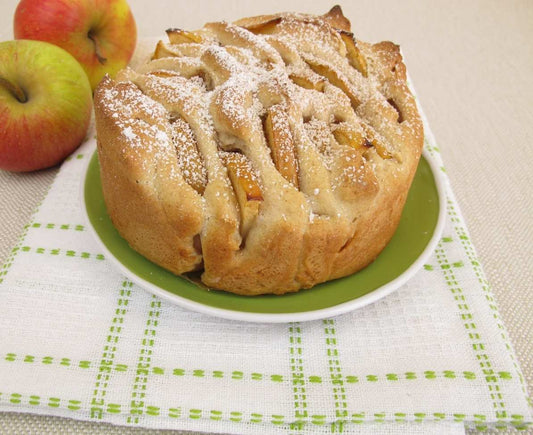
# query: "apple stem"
100, 58
15, 90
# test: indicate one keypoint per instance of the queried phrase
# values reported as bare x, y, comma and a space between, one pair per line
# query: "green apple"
45, 105
100, 34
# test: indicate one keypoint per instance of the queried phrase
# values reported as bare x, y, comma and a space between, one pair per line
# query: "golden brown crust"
273, 153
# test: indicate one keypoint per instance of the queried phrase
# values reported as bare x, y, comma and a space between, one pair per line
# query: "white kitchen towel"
78, 339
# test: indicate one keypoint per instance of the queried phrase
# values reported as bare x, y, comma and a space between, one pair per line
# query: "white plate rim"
303, 316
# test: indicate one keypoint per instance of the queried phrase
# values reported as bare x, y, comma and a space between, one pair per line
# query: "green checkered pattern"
134, 369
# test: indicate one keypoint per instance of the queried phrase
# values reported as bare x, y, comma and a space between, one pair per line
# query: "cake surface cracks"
272, 154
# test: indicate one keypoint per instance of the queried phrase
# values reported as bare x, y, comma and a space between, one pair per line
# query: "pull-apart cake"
268, 155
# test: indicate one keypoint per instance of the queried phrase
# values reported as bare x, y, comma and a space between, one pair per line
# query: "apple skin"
100, 34
53, 121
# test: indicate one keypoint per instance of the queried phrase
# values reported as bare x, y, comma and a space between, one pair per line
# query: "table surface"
471, 63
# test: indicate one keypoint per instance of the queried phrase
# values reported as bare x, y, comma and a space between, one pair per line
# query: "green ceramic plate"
413, 242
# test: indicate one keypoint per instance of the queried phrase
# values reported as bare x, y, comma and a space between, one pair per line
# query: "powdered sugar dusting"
225, 86
128, 132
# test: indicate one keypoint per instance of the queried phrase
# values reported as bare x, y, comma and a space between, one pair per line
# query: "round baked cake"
266, 155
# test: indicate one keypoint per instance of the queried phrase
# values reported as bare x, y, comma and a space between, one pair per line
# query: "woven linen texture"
82, 341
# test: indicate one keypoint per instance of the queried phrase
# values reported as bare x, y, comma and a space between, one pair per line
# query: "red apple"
100, 34
45, 105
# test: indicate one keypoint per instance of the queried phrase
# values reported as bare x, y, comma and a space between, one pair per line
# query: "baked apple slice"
308, 82
374, 140
281, 143
354, 55
189, 159
179, 36
265, 27
334, 78
246, 187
